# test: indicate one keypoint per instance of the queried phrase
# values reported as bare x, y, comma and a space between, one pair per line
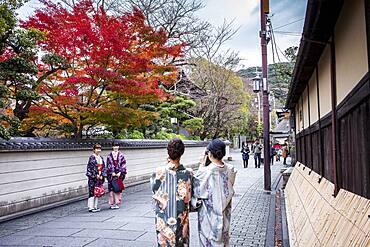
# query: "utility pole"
265, 97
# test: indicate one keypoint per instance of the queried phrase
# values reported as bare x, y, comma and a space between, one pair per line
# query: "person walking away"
213, 187
245, 154
95, 173
171, 186
279, 154
272, 154
257, 150
116, 173
285, 153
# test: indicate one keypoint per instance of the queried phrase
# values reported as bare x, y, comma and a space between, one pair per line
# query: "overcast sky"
245, 14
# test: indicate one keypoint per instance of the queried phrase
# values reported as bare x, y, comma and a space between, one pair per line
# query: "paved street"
133, 223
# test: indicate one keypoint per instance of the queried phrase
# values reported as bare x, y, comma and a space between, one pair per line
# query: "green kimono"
172, 193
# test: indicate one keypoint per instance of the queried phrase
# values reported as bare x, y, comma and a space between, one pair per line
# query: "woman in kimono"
116, 169
171, 186
95, 174
213, 186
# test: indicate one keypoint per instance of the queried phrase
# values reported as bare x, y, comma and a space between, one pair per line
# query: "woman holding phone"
213, 187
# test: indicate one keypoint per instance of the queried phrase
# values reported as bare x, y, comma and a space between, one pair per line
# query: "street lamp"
174, 121
256, 84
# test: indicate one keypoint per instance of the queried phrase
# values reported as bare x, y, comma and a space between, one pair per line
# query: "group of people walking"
257, 148
113, 170
177, 191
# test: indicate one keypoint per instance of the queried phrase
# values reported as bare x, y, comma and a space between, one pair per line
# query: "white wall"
350, 47
34, 179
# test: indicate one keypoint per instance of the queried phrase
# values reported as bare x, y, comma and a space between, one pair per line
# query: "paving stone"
84, 225
122, 243
57, 241
50, 232
13, 240
149, 236
91, 218
138, 226
113, 234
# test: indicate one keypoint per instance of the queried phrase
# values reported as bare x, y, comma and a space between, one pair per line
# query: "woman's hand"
114, 174
118, 174
203, 159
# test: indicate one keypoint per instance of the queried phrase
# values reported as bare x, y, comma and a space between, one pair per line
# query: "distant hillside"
279, 77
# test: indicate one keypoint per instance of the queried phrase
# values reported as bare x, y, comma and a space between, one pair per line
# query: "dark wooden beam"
334, 133
321, 159
309, 124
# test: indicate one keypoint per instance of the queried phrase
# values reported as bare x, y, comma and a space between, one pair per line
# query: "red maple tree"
115, 64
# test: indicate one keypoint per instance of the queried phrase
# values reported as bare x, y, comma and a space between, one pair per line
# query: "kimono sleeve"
90, 173
156, 179
104, 169
232, 174
109, 166
123, 165
200, 183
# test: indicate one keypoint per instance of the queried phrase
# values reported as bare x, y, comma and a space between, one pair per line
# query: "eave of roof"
321, 16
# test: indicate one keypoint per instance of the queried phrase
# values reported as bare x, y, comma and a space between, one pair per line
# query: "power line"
275, 44
289, 23
274, 41
287, 33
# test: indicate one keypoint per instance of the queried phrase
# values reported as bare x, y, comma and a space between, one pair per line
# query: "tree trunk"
78, 131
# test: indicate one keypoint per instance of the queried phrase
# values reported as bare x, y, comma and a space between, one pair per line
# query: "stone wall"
31, 180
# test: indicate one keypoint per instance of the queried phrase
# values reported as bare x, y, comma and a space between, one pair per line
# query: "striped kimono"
172, 194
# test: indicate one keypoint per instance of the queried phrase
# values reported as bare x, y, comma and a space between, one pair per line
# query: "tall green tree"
226, 105
20, 73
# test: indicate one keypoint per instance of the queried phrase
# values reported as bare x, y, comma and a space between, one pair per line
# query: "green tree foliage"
279, 75
225, 107
19, 69
174, 107
194, 125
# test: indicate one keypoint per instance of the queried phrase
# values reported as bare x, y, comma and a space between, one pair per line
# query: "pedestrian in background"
172, 190
213, 186
116, 173
257, 150
272, 153
245, 154
285, 152
95, 173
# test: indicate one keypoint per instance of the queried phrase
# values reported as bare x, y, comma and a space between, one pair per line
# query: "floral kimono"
93, 170
115, 164
172, 194
213, 185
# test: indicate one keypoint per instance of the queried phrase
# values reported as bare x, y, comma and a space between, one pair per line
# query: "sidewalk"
133, 223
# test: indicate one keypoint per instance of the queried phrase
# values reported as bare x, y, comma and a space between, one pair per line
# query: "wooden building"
329, 99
